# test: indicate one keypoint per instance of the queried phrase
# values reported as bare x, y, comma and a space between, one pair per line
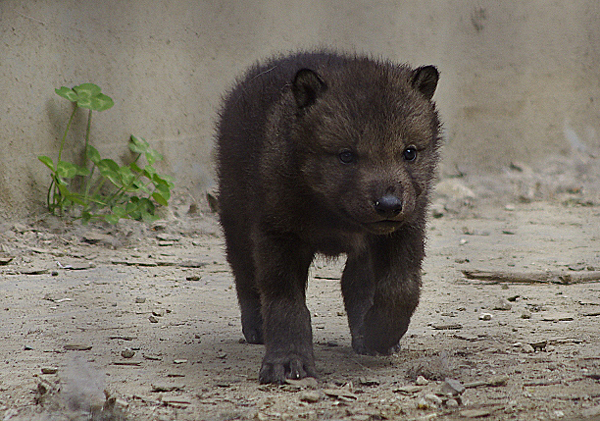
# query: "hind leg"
239, 256
282, 269
250, 307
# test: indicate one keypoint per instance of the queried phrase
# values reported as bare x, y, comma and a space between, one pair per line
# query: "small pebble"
49, 370
77, 347
408, 390
423, 404
539, 345
452, 387
485, 316
363, 381
311, 396
452, 403
153, 319
434, 399
502, 305
527, 349
496, 381
421, 381
127, 353
309, 382
140, 300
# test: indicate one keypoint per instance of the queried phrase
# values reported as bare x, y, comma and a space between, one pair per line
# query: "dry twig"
565, 278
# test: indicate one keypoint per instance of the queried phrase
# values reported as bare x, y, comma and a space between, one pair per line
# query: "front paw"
360, 347
380, 332
276, 367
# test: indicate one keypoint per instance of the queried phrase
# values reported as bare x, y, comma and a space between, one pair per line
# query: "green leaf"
84, 172
112, 219
162, 181
66, 169
101, 102
152, 156
134, 167
85, 217
131, 205
149, 171
148, 217
119, 211
87, 90
76, 198
47, 161
138, 144
107, 165
64, 191
138, 185
164, 190
110, 170
127, 177
146, 204
160, 199
66, 93
93, 154
89, 95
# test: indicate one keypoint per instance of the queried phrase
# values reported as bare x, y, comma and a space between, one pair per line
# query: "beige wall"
520, 79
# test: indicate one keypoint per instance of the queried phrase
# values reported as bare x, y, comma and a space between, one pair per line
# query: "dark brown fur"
315, 155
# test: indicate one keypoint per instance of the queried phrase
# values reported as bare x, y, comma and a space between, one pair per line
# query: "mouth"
383, 227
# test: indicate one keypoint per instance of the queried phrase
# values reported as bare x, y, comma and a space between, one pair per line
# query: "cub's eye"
410, 153
347, 157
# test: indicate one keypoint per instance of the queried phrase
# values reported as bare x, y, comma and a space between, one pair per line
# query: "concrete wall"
520, 79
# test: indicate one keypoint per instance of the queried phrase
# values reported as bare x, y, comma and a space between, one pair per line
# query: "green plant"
133, 189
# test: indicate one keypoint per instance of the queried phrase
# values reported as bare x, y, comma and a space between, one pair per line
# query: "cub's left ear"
425, 80
307, 87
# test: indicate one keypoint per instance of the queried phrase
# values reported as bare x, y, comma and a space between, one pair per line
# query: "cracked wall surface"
519, 80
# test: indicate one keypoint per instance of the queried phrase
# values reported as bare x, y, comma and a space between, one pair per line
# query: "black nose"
388, 205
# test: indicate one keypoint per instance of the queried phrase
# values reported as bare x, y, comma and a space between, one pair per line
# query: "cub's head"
367, 136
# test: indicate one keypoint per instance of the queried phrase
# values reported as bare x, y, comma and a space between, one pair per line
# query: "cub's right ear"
425, 80
307, 87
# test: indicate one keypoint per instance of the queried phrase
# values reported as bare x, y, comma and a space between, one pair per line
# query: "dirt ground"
141, 323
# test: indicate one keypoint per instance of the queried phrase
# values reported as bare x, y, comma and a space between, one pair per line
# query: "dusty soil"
77, 301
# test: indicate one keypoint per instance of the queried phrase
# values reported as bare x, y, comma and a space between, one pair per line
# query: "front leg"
282, 271
358, 290
381, 289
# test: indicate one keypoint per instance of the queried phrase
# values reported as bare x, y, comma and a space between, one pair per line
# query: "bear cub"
321, 152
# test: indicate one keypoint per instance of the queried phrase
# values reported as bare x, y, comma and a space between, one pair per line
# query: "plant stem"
64, 138
100, 184
87, 138
88, 184
54, 185
50, 206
